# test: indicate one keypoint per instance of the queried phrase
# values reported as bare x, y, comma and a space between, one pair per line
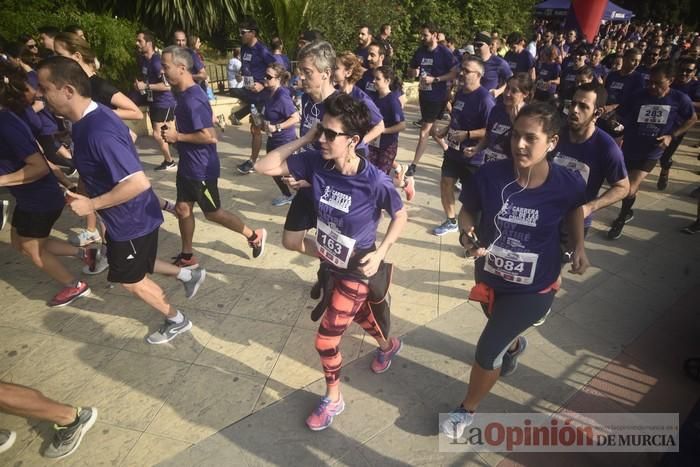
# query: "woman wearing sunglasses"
280, 116
349, 194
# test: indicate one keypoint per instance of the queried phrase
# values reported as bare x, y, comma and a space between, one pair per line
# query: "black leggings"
512, 314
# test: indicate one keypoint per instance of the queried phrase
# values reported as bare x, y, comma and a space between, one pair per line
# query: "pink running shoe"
410, 188
382, 360
322, 416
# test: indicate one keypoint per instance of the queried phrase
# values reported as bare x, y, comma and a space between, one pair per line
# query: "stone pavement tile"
407, 316
242, 345
186, 347
131, 388
352, 459
219, 295
151, 449
619, 321
299, 365
106, 329
271, 301
203, 402
16, 345
103, 445
26, 429
216, 451
664, 271
36, 316
575, 286
60, 368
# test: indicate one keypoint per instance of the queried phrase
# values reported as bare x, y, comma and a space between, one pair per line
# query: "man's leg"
636, 178
27, 402
185, 219
298, 241
425, 131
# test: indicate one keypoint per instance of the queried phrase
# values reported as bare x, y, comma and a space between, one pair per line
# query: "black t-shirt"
102, 91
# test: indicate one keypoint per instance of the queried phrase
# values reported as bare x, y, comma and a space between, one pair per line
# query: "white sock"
185, 275
178, 318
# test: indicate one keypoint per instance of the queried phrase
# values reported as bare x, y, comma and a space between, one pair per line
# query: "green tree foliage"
111, 38
666, 12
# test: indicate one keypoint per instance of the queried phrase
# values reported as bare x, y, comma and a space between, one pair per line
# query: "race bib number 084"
513, 267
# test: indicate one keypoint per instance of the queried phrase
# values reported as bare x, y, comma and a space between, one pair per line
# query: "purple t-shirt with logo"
351, 205
647, 117
255, 61
366, 83
105, 155
470, 111
278, 109
621, 87
436, 62
498, 129
152, 73
526, 258
192, 114
391, 111
496, 72
521, 62
596, 159
16, 144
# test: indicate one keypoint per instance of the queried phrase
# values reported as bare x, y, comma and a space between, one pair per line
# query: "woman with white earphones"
521, 202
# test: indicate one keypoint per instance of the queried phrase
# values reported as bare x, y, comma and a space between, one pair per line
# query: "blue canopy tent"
560, 8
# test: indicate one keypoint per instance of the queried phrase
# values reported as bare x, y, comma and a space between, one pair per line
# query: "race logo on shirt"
500, 129
617, 85
519, 215
459, 105
247, 57
426, 62
336, 199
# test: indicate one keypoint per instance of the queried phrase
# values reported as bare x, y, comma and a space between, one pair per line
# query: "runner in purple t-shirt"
496, 70
590, 152
519, 59
349, 195
316, 62
434, 65
39, 203
653, 118
118, 189
364, 39
470, 112
281, 117
152, 84
199, 170
255, 58
521, 203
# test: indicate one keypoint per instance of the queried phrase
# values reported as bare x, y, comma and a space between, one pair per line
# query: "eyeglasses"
269, 77
244, 31
329, 134
689, 70
32, 46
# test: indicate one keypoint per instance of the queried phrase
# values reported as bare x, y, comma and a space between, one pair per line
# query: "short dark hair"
24, 38
523, 81
66, 71
663, 68
147, 35
546, 113
249, 23
369, 28
601, 95
430, 27
383, 27
50, 31
379, 45
353, 114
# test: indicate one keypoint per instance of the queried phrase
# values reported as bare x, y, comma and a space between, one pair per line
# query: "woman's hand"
369, 264
579, 263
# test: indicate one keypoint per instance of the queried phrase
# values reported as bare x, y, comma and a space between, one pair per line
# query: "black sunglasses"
478, 45
269, 77
688, 70
32, 46
331, 134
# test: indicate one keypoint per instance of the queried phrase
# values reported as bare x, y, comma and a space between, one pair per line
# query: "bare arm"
275, 162
612, 195
574, 226
398, 128
125, 107
125, 190
34, 168
374, 132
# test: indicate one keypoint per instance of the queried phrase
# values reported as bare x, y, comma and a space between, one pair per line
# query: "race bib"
573, 164
542, 85
654, 114
370, 87
333, 246
518, 268
452, 139
500, 129
617, 85
248, 81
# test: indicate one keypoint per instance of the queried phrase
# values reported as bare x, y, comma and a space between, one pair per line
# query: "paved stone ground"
237, 389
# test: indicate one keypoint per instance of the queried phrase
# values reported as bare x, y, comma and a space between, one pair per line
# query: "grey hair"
181, 56
479, 62
322, 54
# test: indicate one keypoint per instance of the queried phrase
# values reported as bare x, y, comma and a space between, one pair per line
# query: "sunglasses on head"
269, 77
329, 134
244, 31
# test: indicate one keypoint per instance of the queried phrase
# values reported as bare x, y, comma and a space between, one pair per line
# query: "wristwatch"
277, 128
